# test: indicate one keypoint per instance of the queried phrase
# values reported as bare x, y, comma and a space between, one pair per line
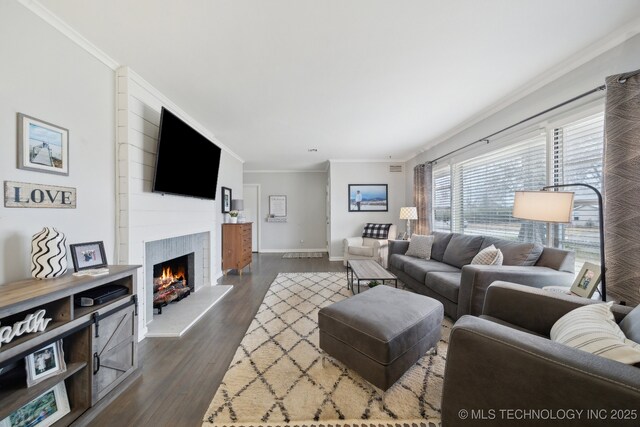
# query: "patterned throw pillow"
376, 231
488, 256
593, 328
420, 246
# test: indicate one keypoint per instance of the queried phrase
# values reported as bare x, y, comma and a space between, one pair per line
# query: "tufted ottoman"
380, 333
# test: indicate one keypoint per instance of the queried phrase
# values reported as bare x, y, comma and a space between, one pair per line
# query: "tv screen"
187, 163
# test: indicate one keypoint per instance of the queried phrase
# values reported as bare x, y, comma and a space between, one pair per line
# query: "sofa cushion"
515, 253
420, 246
398, 260
440, 242
592, 328
417, 268
361, 250
376, 231
630, 325
444, 283
488, 256
461, 249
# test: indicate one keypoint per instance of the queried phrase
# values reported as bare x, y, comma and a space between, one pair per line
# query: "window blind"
484, 190
442, 199
578, 158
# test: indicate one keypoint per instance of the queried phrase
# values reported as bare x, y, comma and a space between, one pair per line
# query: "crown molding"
568, 65
57, 23
286, 171
396, 161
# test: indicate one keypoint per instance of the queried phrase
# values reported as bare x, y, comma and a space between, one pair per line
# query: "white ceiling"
356, 79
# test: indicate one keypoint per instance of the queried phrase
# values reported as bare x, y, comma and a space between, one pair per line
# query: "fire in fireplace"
171, 281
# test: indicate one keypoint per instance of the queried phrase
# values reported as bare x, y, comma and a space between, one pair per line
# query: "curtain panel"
622, 187
422, 197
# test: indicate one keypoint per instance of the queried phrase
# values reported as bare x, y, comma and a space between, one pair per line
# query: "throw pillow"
488, 256
376, 231
420, 246
593, 328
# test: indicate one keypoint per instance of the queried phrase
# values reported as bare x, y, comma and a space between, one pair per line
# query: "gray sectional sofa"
461, 287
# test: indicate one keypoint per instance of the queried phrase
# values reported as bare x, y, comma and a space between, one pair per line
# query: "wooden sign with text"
26, 195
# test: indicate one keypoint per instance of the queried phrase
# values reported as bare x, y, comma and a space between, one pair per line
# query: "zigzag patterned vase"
48, 254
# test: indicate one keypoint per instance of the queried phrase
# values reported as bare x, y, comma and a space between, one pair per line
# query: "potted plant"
373, 283
234, 216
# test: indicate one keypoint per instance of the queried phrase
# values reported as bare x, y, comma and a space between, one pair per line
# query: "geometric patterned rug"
303, 255
277, 378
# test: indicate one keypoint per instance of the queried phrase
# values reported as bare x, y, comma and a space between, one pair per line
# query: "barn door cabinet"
99, 342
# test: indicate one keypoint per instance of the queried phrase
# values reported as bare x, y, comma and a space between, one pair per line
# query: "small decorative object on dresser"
88, 255
45, 363
48, 254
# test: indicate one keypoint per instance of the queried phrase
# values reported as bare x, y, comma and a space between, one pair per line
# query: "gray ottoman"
380, 333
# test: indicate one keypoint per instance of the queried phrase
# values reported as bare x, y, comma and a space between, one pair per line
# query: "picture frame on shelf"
42, 146
45, 363
42, 411
587, 280
368, 198
88, 255
226, 199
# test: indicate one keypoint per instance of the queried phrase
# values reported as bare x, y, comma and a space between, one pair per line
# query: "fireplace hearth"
172, 281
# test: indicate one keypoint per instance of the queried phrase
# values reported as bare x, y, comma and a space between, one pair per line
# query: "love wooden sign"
25, 195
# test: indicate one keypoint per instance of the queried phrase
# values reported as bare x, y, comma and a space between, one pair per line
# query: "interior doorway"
251, 194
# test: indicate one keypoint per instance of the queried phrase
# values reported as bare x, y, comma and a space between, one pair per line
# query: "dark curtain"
422, 182
622, 187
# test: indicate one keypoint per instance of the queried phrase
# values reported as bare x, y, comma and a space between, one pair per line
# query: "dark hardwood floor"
181, 375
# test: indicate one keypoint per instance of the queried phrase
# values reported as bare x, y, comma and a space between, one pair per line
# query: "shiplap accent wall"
144, 216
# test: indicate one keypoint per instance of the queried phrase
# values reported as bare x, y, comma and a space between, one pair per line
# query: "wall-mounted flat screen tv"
187, 163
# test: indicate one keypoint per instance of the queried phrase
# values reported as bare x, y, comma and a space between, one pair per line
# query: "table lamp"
409, 213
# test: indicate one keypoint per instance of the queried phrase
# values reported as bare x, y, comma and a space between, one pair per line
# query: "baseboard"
336, 258
282, 251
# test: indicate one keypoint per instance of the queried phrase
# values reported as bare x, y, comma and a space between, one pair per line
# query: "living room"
304, 101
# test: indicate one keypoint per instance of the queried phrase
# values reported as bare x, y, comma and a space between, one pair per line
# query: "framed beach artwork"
42, 146
368, 198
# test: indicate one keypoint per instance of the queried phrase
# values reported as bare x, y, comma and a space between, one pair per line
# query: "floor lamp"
409, 213
556, 206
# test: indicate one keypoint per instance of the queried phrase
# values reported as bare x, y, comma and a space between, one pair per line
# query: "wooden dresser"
236, 246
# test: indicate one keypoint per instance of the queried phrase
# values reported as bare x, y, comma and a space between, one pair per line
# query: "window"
486, 186
578, 158
442, 199
475, 196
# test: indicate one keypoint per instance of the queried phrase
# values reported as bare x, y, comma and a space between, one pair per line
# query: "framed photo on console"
587, 280
42, 411
88, 255
45, 363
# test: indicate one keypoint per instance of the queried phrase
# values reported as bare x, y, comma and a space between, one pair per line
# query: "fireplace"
173, 280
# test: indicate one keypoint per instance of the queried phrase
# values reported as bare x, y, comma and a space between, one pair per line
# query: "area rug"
303, 255
277, 378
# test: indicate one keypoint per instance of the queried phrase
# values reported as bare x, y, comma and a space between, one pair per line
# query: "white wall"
305, 228
145, 216
349, 224
624, 57
45, 75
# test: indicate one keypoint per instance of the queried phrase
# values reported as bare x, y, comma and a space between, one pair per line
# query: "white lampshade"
547, 206
409, 213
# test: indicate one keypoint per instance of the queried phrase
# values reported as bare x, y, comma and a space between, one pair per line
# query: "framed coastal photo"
226, 200
368, 198
44, 363
88, 255
587, 280
42, 146
42, 411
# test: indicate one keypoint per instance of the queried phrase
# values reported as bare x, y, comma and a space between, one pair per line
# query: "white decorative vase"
48, 254
233, 219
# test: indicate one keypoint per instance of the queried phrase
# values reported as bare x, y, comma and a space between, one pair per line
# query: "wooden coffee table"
366, 269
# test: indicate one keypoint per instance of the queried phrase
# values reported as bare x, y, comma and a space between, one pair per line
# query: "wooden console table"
99, 342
